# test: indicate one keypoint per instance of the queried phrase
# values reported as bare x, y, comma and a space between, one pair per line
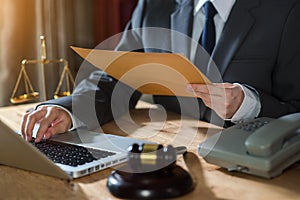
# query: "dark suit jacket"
259, 47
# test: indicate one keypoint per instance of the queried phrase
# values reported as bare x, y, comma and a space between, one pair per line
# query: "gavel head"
150, 157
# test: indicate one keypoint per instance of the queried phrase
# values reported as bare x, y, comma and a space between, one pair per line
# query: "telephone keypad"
252, 126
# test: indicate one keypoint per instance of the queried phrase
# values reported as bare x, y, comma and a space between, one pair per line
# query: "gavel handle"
180, 150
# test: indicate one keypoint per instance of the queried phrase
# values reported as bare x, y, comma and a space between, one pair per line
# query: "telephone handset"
263, 147
270, 138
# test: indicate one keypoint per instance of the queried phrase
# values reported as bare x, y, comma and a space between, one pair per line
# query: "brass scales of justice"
30, 94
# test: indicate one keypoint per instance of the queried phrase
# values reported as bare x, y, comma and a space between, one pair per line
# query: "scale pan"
25, 97
62, 94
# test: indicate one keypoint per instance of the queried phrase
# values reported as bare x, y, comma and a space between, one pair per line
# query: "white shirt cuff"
250, 106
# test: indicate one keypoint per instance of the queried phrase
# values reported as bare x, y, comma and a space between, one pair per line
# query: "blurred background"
64, 23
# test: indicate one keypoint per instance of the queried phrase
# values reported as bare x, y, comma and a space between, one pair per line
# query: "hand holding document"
149, 73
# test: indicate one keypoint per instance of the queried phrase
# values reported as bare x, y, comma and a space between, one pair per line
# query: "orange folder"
149, 73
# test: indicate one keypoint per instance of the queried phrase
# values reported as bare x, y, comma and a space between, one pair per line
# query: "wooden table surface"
212, 181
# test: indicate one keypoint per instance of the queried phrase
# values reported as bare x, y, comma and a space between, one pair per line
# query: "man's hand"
224, 98
52, 121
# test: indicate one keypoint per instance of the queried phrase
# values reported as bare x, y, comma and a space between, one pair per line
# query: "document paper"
150, 73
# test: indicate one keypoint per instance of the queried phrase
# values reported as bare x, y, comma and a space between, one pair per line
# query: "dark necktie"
208, 37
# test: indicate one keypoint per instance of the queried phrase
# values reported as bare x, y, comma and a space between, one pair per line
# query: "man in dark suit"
257, 59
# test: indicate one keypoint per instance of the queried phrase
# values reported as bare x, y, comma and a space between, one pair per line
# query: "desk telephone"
263, 147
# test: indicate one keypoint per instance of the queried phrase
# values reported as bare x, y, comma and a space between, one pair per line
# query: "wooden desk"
212, 182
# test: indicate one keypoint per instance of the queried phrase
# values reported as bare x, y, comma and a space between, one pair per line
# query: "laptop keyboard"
69, 154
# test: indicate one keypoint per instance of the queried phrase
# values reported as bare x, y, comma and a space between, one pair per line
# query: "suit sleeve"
100, 98
285, 97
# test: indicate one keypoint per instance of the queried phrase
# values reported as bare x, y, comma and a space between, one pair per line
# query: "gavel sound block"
150, 173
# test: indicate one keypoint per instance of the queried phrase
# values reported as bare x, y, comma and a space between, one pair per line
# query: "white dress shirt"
250, 106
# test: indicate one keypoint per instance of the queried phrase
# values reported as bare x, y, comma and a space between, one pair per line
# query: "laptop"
71, 155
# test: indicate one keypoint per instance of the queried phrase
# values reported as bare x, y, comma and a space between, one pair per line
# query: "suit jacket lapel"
181, 27
235, 30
